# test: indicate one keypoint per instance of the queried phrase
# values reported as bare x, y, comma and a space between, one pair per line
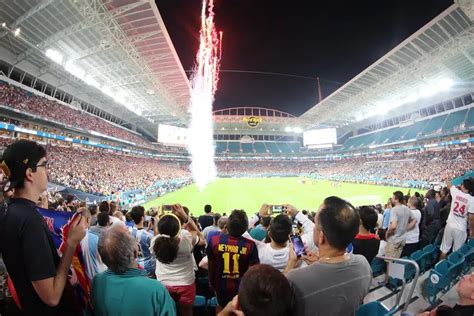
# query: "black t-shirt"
366, 245
29, 254
464, 310
205, 220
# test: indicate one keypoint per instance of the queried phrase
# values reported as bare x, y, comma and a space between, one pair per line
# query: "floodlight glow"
288, 129
427, 91
54, 55
17, 32
91, 81
74, 70
444, 84
298, 130
4, 24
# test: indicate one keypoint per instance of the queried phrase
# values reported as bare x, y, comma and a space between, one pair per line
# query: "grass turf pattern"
226, 194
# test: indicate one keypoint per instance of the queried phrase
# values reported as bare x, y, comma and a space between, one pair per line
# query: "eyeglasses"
44, 164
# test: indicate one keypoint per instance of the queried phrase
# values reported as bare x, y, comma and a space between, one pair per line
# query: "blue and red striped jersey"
229, 258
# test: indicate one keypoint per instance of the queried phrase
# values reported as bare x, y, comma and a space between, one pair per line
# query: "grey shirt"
402, 215
331, 288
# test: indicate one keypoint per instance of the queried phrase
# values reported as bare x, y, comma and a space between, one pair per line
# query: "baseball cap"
17, 158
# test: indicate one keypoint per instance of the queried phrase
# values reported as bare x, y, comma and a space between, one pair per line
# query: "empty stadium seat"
378, 266
418, 256
438, 281
470, 119
468, 253
458, 265
200, 306
234, 147
430, 256
415, 129
260, 148
247, 148
454, 120
434, 124
272, 148
374, 308
221, 147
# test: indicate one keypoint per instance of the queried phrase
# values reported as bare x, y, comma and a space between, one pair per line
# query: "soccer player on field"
230, 256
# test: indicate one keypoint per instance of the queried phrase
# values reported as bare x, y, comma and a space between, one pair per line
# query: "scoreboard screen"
326, 136
172, 135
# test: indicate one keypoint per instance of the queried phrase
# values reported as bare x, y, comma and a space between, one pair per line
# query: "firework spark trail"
203, 87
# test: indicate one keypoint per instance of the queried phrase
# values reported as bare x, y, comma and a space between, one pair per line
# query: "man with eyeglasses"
39, 276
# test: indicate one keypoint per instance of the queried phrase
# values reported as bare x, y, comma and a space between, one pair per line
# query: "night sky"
334, 40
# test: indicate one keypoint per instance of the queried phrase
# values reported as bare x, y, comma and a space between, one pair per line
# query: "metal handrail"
412, 289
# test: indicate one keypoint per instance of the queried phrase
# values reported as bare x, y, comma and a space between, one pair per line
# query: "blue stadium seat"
234, 147
378, 266
415, 129
221, 147
374, 308
272, 147
458, 265
434, 124
438, 281
430, 256
470, 119
471, 243
468, 253
247, 148
199, 301
418, 257
260, 148
200, 306
212, 302
454, 120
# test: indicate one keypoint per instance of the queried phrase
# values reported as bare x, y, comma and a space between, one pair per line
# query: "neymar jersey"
229, 258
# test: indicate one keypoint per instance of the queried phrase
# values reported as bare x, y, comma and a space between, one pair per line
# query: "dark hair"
339, 222
103, 219
69, 198
238, 223
265, 221
280, 228
137, 213
417, 202
93, 209
368, 216
430, 194
113, 207
166, 249
398, 196
19, 156
216, 218
266, 291
207, 208
104, 207
469, 185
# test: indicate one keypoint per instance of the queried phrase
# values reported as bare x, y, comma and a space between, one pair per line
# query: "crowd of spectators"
25, 101
150, 260
90, 171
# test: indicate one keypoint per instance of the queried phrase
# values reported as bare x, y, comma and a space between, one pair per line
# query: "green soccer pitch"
226, 194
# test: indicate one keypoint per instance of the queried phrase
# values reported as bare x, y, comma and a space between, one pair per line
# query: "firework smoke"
203, 87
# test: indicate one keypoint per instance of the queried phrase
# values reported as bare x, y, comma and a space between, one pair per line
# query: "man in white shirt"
462, 211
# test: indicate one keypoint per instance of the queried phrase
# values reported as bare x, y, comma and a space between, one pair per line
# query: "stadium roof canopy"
119, 51
435, 63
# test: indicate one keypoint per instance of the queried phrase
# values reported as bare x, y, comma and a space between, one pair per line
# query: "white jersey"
461, 206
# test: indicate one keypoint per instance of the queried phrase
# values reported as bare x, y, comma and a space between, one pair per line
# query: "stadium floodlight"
17, 31
74, 70
298, 130
288, 129
4, 24
428, 91
54, 55
444, 84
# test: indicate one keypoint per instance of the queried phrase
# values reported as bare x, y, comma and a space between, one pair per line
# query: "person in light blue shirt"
144, 237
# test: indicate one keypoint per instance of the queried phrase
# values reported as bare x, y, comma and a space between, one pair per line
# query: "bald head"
117, 248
